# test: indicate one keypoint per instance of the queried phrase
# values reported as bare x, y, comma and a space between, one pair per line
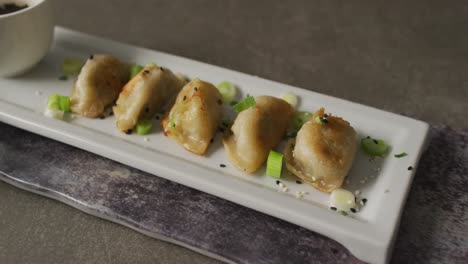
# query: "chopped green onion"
344, 213
59, 102
228, 91
290, 98
152, 64
245, 104
144, 127
401, 155
71, 66
300, 118
320, 120
135, 70
274, 164
64, 103
374, 147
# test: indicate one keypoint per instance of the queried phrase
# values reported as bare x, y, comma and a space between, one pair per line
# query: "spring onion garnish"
228, 91
144, 127
401, 155
71, 66
321, 120
59, 102
343, 200
373, 147
274, 164
245, 104
135, 70
290, 98
152, 64
300, 118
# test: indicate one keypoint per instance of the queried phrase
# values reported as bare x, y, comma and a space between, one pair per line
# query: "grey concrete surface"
402, 56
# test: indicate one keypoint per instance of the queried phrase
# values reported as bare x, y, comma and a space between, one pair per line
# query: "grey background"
402, 56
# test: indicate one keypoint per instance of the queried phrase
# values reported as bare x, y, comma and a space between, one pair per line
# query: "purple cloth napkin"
434, 227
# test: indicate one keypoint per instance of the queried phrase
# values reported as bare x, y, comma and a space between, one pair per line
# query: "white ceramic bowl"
25, 36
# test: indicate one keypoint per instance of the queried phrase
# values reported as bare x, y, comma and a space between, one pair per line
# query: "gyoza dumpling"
98, 85
256, 131
322, 152
195, 116
148, 92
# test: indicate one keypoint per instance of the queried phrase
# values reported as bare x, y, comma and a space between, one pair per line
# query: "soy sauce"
10, 8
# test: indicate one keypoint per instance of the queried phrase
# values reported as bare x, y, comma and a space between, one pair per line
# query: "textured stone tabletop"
400, 56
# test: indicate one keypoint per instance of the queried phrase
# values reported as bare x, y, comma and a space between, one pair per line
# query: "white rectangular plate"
368, 234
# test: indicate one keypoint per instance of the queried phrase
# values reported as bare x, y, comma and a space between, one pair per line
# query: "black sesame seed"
211, 140
278, 182
91, 56
220, 102
325, 115
147, 109
325, 121
368, 137
353, 210
298, 182
196, 89
162, 69
128, 132
111, 113
410, 168
157, 117
222, 165
375, 141
146, 71
185, 97
102, 117
364, 200
333, 208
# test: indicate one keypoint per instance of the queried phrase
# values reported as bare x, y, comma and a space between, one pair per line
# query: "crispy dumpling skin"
152, 89
256, 131
322, 154
194, 118
98, 85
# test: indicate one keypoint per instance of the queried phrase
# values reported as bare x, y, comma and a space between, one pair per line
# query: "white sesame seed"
361, 202
313, 178
38, 93
357, 192
146, 139
285, 189
281, 185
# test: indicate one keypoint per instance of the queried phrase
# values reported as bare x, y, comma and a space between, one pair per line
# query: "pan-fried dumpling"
256, 131
322, 152
148, 92
98, 85
194, 118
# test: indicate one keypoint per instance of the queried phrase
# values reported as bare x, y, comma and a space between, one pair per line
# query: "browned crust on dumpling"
322, 154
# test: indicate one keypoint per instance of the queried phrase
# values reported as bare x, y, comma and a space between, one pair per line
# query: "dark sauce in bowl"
10, 8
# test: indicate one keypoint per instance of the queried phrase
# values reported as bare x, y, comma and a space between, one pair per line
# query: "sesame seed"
38, 93
357, 192
375, 141
222, 165
313, 178
162, 69
146, 139
185, 97
157, 117
364, 200
285, 189
128, 132
298, 182
91, 57
333, 208
102, 117
146, 71
278, 182
281, 185
353, 210
410, 168
211, 140
196, 89
147, 109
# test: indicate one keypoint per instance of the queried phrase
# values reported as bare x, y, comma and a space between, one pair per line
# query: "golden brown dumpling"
98, 85
322, 152
195, 116
256, 131
148, 92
